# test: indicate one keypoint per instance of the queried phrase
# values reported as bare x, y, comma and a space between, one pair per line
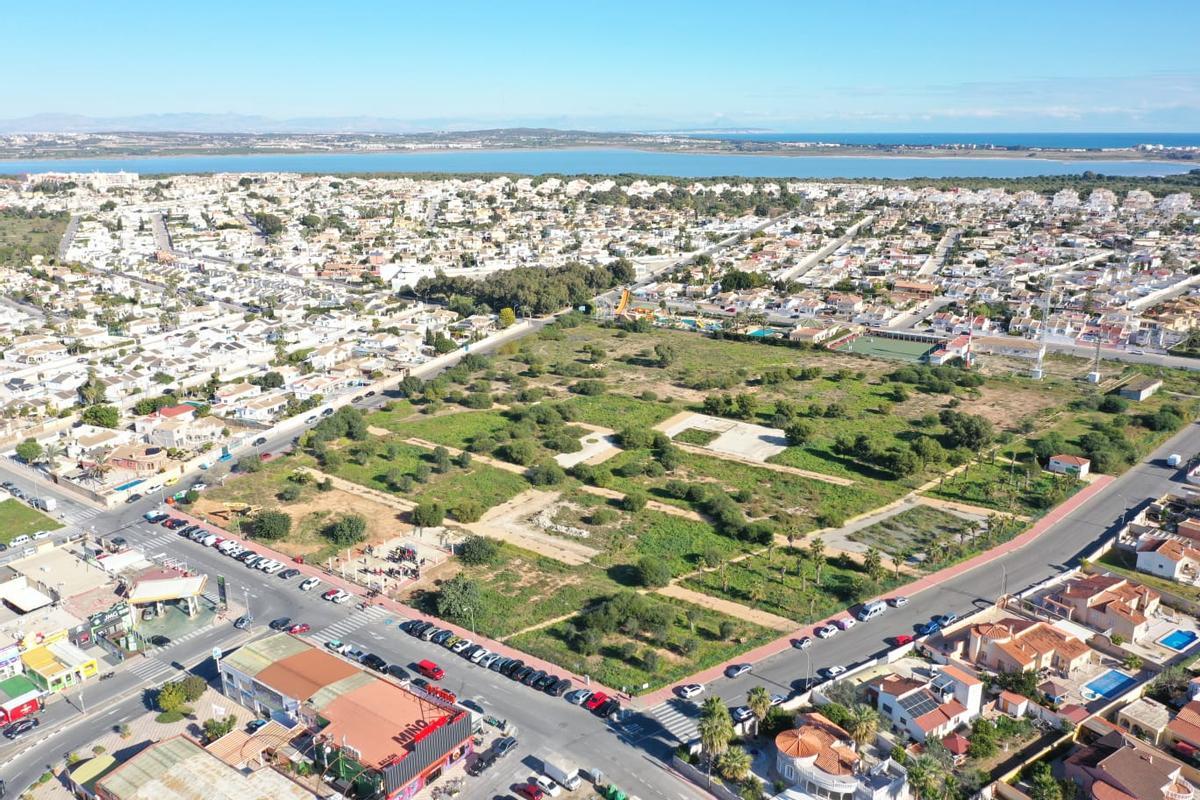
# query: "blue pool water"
1179, 640
761, 332
1111, 684
129, 485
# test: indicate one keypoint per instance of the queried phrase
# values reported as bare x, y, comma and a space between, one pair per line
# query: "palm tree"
734, 764
816, 550
873, 564
759, 701
715, 728
925, 778
862, 724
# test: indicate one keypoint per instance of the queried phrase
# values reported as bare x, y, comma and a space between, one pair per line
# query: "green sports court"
887, 347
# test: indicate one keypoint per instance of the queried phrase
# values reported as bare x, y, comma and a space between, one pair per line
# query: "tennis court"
883, 347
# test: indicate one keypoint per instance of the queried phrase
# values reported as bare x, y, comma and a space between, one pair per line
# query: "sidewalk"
784, 643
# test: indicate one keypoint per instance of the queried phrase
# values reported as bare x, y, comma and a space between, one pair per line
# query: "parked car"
533, 677
309, 583
432, 671
577, 697
461, 645
558, 687
330, 594
299, 628
372, 661
353, 652
845, 623
282, 623
947, 619
609, 707
336, 645
803, 643
255, 724
902, 639
289, 573
833, 671
243, 622
741, 713
399, 673
736, 670
504, 746
547, 786
898, 602
343, 597
133, 498
260, 441
928, 628
825, 631
595, 701
690, 690
521, 674
153, 518
21, 727
440, 636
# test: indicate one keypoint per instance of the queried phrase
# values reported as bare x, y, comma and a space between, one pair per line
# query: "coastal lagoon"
605, 161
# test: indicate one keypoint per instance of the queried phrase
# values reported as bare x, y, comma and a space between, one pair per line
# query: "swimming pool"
1179, 640
1111, 684
129, 485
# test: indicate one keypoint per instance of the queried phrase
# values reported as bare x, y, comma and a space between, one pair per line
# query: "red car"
265, 456
902, 639
595, 701
531, 791
329, 595
299, 628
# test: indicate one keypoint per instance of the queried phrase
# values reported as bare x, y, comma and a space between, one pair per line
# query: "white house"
1069, 465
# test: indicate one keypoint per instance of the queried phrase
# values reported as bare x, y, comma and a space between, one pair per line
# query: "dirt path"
516, 469
966, 508
506, 522
665, 508
735, 610
803, 473
351, 487
540, 625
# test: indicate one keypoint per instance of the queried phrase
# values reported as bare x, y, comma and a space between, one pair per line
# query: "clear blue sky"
788, 66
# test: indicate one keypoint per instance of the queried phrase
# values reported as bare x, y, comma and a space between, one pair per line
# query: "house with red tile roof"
1020, 645
817, 759
1109, 603
1168, 558
1118, 766
929, 708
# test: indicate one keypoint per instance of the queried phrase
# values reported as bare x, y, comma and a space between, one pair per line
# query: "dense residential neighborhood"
751, 477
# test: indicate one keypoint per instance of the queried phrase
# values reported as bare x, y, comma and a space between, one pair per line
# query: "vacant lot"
18, 519
311, 511
922, 533
694, 638
784, 582
23, 236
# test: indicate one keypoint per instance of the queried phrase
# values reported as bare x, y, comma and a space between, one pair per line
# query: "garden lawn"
487, 485
618, 411
1123, 563
393, 418
757, 582
679, 542
614, 669
457, 429
18, 519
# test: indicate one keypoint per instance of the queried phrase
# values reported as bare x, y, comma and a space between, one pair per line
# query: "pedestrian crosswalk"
76, 515
355, 622
147, 669
158, 539
678, 717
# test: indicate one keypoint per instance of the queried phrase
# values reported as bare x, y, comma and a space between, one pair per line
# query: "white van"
20, 540
871, 610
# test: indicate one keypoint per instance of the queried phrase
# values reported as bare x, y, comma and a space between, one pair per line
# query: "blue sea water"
604, 161
1085, 141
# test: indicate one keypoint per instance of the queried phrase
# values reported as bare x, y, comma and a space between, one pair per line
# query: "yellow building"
58, 665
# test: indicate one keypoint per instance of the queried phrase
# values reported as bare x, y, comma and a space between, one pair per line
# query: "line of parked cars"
201, 535
514, 668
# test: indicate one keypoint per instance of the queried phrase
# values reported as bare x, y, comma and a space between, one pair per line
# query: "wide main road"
1058, 549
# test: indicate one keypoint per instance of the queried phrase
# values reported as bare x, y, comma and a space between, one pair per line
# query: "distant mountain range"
253, 124
211, 123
